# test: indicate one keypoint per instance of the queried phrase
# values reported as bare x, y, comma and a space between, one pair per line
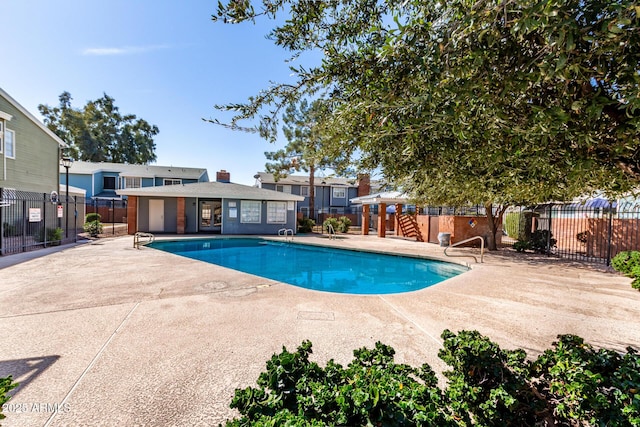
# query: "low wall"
465, 227
461, 227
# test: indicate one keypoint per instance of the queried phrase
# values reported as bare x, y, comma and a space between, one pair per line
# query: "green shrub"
588, 386
340, 225
522, 245
92, 224
625, 262
6, 385
628, 263
344, 223
305, 225
92, 216
333, 222
512, 224
539, 239
53, 235
569, 384
371, 390
10, 230
93, 228
537, 242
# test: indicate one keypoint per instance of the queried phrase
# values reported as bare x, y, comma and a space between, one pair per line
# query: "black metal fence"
593, 232
31, 221
110, 210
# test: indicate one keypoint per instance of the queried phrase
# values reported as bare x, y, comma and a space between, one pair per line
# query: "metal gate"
31, 221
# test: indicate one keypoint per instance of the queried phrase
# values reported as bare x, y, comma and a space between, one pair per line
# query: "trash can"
444, 239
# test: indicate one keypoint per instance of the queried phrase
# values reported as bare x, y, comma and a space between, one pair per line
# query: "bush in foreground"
628, 263
6, 385
570, 384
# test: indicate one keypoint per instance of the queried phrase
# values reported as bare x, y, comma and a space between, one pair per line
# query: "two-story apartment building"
29, 181
332, 195
102, 180
29, 151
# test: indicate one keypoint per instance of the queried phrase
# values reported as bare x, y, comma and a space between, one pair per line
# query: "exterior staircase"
409, 227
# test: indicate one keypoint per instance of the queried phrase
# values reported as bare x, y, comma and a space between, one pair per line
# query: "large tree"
491, 102
99, 132
305, 149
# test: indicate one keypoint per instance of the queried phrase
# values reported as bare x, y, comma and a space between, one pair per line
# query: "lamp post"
66, 162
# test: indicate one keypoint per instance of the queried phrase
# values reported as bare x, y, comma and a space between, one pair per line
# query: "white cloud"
126, 50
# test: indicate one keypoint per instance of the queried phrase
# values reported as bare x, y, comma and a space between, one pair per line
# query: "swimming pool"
315, 267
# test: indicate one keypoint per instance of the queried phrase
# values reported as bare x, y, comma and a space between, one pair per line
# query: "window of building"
168, 181
132, 182
304, 191
284, 188
276, 212
250, 211
10, 144
339, 193
109, 182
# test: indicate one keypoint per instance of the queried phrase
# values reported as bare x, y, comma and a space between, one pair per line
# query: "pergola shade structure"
383, 199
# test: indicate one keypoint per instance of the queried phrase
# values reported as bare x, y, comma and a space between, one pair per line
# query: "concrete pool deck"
104, 334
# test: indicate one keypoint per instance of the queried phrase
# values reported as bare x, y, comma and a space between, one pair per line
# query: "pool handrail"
142, 235
286, 232
464, 255
331, 231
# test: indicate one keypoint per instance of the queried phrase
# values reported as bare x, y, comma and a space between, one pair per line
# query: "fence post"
25, 223
1, 222
44, 221
549, 233
609, 233
75, 219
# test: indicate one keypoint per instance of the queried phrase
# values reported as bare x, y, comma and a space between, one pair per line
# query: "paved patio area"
104, 334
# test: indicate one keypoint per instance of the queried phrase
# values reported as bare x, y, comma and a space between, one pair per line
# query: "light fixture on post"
66, 162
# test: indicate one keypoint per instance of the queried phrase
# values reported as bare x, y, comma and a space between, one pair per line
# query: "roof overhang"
31, 117
211, 190
388, 198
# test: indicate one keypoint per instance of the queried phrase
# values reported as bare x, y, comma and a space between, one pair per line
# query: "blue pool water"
314, 267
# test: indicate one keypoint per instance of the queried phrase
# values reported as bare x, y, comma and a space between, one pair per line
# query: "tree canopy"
99, 132
305, 150
513, 81
489, 102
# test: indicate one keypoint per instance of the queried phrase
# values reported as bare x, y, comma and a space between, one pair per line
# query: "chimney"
223, 176
364, 185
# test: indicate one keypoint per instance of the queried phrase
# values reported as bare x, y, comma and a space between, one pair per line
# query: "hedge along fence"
569, 384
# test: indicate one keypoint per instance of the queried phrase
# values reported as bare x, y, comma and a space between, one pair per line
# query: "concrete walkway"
104, 334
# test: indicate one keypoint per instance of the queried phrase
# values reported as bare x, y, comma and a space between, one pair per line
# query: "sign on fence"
60, 211
35, 215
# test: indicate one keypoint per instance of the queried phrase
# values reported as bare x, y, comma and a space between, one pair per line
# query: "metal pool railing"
466, 255
137, 239
286, 232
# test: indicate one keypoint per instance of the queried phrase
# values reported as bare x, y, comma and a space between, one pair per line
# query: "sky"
166, 62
